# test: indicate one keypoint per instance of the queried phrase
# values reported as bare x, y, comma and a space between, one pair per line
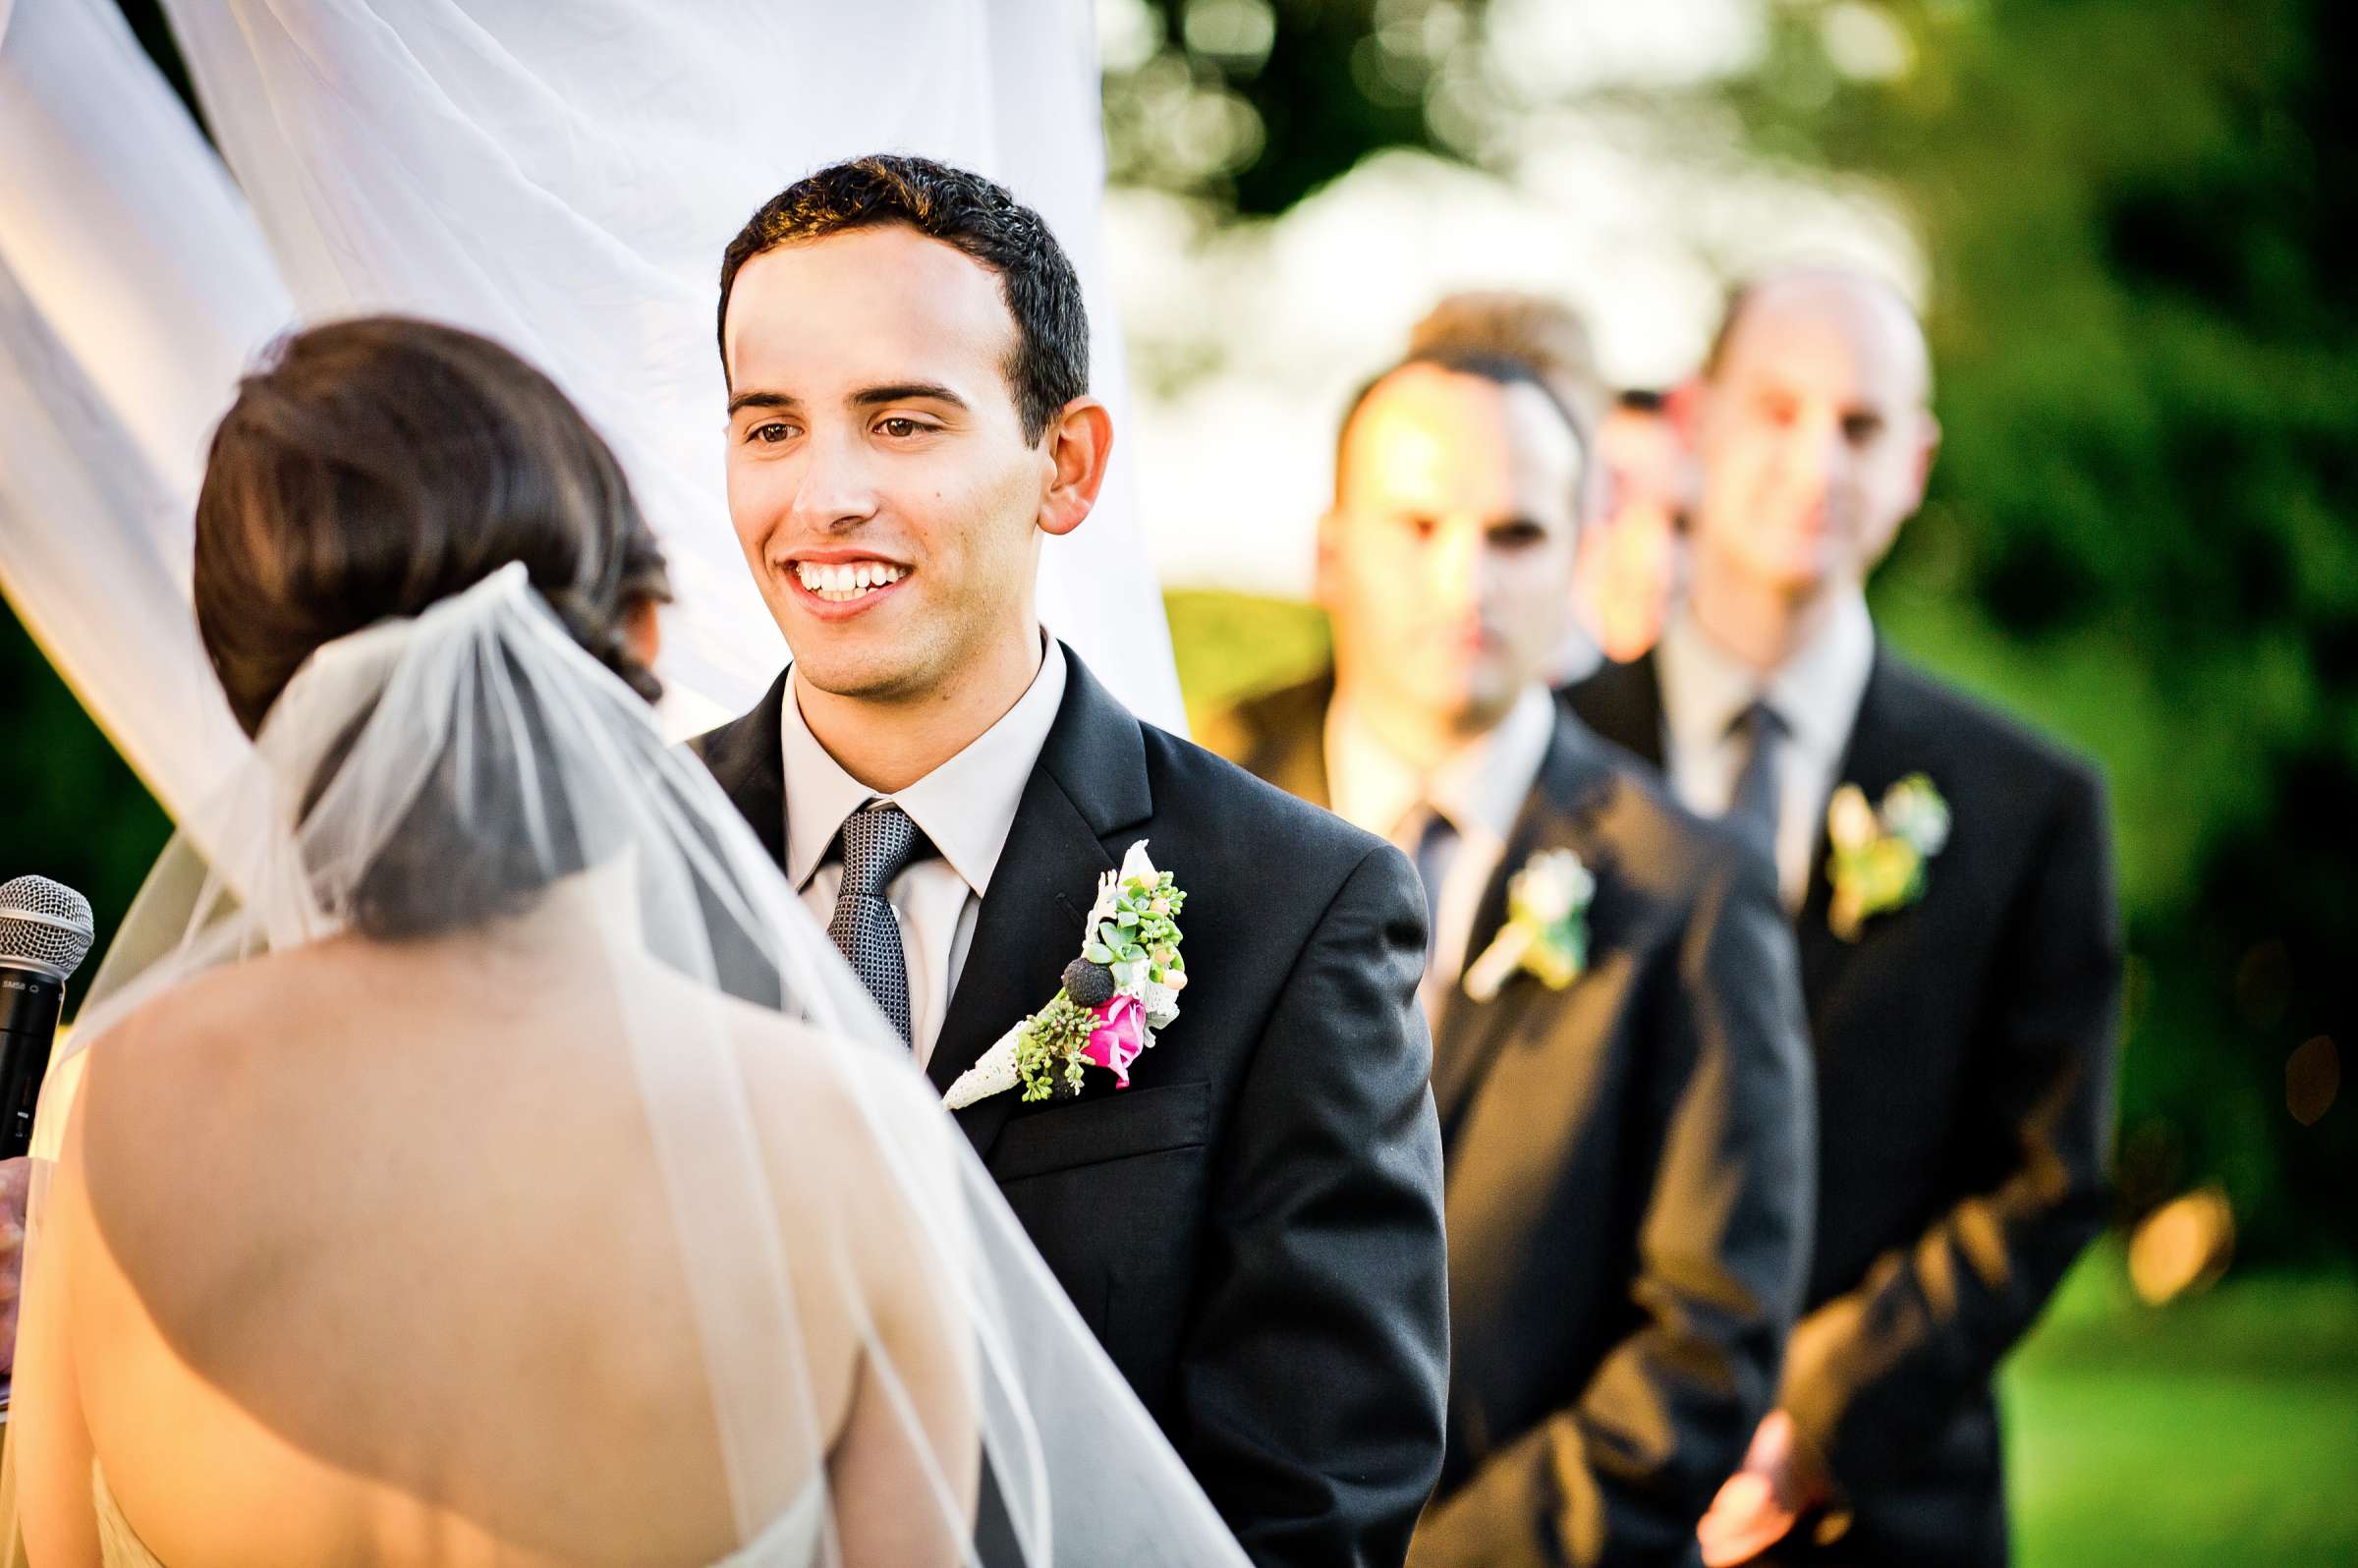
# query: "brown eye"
900, 429
769, 433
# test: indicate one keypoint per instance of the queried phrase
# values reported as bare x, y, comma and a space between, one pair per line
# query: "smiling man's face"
879, 480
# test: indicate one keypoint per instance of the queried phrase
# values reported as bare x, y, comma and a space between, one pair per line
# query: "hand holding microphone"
45, 932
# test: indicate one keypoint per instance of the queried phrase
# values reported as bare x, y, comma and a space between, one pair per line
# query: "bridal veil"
455, 773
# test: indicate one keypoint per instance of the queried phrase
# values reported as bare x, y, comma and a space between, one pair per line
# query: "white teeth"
838, 583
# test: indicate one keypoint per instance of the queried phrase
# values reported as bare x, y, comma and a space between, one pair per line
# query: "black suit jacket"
1253, 1228
1964, 1049
1629, 1164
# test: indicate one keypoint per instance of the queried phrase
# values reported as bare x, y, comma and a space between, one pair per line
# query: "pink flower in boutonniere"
1113, 999
1120, 1034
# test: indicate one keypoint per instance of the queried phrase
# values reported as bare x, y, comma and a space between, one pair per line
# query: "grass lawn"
2221, 1430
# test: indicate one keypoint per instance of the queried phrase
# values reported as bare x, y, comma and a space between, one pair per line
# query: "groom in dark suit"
1627, 1146
1252, 1227
1960, 952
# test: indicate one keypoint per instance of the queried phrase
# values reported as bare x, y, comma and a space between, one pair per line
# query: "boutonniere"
1876, 857
1116, 996
1547, 929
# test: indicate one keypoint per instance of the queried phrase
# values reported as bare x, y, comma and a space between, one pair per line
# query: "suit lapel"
1623, 702
1089, 786
1574, 778
1280, 737
747, 757
1873, 759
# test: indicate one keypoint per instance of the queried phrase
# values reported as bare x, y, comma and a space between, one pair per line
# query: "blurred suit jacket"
1964, 1051
1627, 1171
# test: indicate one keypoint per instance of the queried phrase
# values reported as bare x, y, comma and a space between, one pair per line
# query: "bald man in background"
1962, 1018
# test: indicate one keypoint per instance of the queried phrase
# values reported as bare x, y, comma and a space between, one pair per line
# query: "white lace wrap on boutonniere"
1547, 929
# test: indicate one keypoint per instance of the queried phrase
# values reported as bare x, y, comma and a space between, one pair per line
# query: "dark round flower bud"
1088, 984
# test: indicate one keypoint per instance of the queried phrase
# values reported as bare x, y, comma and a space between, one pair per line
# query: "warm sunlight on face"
878, 477
1813, 435
1447, 561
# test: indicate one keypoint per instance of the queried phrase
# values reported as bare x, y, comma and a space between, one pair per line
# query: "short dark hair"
1050, 365
1499, 369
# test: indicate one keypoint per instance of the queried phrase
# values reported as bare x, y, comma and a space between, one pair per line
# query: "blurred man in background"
1625, 567
1629, 567
1551, 337
1960, 950
1618, 1048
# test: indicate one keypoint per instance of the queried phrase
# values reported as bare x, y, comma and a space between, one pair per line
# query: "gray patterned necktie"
1753, 806
877, 841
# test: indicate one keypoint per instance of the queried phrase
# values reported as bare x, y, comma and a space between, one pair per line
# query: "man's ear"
1080, 442
1682, 405
1323, 587
1927, 448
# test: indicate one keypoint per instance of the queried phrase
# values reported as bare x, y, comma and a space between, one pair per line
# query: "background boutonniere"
1877, 858
1116, 995
1547, 929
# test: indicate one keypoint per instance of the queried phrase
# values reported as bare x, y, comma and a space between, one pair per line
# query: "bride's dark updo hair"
369, 469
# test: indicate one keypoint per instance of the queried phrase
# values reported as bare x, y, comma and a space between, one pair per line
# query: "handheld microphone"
45, 932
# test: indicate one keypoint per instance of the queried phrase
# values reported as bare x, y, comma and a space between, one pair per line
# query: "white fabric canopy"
561, 177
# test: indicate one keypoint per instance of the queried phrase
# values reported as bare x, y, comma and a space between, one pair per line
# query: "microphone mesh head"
44, 924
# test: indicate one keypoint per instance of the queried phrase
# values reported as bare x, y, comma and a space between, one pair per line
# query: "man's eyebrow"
761, 399
906, 392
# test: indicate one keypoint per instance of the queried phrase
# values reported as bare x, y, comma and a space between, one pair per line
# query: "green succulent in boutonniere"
1547, 929
1114, 1000
1878, 857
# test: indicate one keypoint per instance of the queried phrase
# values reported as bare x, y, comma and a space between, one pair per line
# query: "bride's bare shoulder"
204, 1023
864, 1101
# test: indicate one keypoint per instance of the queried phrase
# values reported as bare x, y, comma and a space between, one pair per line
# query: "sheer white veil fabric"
479, 741
560, 177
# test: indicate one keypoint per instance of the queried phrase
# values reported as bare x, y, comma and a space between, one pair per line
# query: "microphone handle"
30, 1001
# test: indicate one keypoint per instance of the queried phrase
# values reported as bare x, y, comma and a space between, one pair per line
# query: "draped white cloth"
559, 177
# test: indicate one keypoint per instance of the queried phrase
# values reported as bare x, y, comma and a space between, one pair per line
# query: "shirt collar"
965, 807
1480, 787
1816, 692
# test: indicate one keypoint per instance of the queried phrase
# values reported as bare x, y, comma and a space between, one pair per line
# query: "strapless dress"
790, 1541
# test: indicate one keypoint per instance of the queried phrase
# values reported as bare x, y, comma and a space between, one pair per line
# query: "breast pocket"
1117, 1126
1111, 1190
